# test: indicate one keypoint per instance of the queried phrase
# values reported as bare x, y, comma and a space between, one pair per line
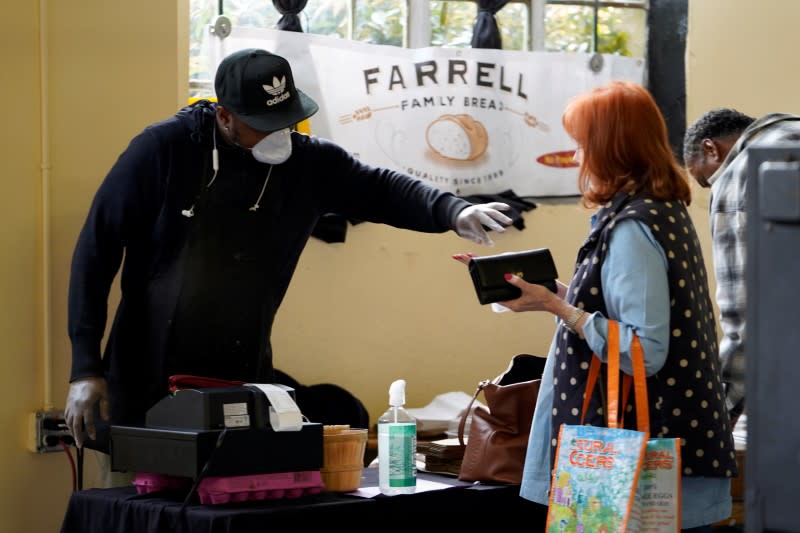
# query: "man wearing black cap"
211, 210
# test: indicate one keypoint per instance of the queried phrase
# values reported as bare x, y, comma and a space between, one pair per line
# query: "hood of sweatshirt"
198, 119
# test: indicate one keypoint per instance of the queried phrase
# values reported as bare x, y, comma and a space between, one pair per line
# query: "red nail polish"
507, 277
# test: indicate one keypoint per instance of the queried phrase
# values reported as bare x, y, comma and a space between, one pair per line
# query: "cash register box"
223, 431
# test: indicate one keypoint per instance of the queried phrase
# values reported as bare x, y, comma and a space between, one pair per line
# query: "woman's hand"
534, 297
464, 258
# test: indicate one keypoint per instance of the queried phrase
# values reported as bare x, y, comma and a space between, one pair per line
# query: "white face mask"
275, 148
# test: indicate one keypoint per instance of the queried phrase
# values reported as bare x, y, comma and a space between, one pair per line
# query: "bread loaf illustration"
458, 137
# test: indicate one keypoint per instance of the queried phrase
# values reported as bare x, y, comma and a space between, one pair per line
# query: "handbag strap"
594, 371
612, 394
464, 416
639, 381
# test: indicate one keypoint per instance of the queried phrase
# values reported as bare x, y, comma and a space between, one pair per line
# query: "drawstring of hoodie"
263, 188
189, 213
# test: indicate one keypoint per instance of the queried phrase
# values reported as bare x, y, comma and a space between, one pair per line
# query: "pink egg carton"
216, 490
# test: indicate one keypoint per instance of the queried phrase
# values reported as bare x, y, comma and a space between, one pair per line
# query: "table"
121, 510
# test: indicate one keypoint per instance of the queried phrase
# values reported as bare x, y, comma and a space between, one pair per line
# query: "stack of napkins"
442, 456
441, 414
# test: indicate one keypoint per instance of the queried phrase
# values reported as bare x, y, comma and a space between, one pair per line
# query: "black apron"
223, 316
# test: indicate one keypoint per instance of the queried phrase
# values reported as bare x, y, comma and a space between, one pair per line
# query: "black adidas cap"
259, 87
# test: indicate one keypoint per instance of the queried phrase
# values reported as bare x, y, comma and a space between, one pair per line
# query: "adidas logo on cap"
277, 90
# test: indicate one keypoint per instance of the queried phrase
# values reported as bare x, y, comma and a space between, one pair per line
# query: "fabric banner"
469, 121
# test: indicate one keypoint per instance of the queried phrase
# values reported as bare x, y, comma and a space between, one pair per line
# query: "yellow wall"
384, 305
110, 68
741, 54
20, 367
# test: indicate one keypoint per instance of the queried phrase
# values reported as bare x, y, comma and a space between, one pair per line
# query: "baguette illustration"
459, 137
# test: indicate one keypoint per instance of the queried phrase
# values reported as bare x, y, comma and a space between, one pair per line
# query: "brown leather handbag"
498, 437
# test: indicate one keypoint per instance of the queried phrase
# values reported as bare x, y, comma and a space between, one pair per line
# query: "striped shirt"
729, 245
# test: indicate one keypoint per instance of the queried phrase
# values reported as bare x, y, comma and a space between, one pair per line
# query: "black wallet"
534, 266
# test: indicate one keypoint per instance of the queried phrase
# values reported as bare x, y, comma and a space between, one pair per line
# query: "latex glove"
83, 394
470, 222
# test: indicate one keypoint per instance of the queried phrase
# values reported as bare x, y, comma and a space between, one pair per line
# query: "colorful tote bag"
597, 469
657, 506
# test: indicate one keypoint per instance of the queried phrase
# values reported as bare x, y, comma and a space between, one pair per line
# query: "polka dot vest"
685, 396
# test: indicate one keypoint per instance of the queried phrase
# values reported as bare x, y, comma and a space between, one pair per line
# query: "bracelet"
573, 319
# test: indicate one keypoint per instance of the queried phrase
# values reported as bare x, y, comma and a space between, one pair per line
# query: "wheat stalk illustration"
362, 113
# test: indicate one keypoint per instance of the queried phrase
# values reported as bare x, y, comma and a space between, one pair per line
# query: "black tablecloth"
121, 510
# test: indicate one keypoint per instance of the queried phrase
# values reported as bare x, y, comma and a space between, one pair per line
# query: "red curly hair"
625, 145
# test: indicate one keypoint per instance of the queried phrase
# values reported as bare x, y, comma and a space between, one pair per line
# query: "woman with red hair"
641, 265
623, 145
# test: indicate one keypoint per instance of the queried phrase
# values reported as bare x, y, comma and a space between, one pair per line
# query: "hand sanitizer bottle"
397, 445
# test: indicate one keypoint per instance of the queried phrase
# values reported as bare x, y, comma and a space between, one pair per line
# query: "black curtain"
666, 66
486, 34
289, 9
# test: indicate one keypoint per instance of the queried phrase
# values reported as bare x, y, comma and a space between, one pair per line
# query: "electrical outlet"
47, 429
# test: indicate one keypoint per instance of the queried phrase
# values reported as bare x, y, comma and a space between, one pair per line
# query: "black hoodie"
137, 214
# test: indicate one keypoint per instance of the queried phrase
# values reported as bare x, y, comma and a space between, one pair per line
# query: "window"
452, 22
610, 26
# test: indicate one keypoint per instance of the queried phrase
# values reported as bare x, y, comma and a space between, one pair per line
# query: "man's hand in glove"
472, 222
79, 413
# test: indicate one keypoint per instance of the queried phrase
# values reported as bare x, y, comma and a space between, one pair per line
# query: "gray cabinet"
772, 346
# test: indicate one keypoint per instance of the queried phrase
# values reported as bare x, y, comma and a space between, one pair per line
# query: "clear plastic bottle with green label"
397, 445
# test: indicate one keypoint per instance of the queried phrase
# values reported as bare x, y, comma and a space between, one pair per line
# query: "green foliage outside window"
324, 17
452, 23
381, 22
571, 29
567, 28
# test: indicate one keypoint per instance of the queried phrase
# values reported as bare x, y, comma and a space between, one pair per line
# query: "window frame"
596, 5
418, 27
418, 22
